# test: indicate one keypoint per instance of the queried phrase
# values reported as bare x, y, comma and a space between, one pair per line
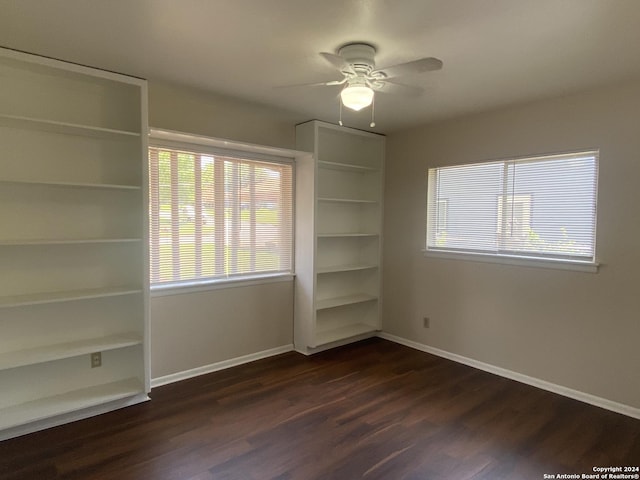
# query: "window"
541, 207
217, 215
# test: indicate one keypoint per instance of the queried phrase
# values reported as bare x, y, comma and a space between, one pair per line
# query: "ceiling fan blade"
389, 86
338, 62
415, 66
337, 82
316, 84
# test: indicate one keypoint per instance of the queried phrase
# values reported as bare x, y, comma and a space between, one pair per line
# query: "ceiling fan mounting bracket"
361, 57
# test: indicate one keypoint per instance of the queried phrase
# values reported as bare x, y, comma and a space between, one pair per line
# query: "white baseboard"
214, 367
536, 382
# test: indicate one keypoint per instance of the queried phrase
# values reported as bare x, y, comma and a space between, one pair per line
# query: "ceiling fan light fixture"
356, 97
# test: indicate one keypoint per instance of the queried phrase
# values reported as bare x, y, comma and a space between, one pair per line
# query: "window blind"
532, 207
217, 216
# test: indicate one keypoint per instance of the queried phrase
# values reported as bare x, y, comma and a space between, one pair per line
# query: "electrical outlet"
426, 322
96, 359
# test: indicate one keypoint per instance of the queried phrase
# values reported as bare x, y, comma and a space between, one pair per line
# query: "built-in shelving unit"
338, 235
73, 250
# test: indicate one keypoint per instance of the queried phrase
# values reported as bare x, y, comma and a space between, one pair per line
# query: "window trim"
161, 138
196, 286
589, 266
523, 261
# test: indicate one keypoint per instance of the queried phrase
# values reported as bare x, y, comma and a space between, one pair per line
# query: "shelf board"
104, 186
349, 167
346, 200
65, 296
68, 241
63, 127
346, 300
327, 336
48, 353
330, 235
68, 402
345, 268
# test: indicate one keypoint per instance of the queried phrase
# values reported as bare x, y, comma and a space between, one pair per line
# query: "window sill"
513, 260
208, 285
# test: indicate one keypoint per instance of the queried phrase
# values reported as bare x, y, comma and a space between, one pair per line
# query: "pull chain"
373, 109
340, 102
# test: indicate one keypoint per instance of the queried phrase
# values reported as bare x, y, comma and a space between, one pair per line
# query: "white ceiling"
495, 52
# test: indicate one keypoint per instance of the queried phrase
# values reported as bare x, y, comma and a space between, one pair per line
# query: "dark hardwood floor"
372, 410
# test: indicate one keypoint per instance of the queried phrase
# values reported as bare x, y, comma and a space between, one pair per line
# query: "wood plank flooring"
371, 410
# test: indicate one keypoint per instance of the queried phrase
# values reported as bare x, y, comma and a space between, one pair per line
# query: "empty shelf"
345, 268
65, 296
346, 200
327, 336
329, 235
106, 186
349, 167
59, 351
65, 241
54, 126
346, 300
68, 402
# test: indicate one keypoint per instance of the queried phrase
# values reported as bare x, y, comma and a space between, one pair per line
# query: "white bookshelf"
73, 248
338, 235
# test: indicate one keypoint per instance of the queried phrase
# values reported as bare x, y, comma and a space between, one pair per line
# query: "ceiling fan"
361, 78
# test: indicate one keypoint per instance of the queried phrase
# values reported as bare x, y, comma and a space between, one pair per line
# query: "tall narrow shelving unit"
73, 250
338, 235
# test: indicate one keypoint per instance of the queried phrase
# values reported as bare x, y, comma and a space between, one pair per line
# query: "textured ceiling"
495, 52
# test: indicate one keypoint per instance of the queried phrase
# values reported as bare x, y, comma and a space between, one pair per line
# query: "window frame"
160, 138
506, 257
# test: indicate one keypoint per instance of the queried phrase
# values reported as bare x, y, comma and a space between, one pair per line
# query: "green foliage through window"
217, 216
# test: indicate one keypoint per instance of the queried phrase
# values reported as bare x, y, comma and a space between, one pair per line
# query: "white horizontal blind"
214, 217
535, 207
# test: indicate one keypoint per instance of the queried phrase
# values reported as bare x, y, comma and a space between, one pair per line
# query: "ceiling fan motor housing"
361, 56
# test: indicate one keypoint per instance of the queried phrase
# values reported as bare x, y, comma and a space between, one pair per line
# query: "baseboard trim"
519, 377
214, 367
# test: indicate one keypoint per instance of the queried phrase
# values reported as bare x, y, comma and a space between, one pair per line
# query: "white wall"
193, 330
198, 329
578, 330
204, 113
